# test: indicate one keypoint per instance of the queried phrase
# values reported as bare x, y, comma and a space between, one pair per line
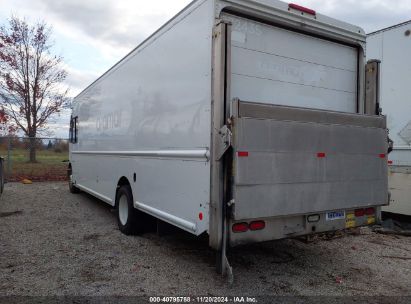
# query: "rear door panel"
305, 150
300, 161
278, 66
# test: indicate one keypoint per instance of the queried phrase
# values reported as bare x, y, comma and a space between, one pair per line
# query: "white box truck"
392, 46
248, 120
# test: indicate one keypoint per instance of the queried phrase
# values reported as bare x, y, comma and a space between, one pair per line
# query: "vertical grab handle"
372, 88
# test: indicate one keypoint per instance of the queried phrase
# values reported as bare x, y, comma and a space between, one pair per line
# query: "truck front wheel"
73, 189
129, 219
1, 175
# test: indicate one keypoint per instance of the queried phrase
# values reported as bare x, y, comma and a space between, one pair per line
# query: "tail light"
240, 227
244, 227
258, 225
370, 211
359, 212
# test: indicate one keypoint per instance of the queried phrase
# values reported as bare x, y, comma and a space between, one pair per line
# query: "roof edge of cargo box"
390, 28
322, 23
338, 30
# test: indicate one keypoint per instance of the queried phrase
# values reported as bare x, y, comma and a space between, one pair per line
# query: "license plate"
335, 215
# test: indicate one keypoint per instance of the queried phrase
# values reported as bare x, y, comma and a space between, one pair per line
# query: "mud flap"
227, 270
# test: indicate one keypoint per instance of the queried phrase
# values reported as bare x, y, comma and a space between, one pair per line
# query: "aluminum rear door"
291, 161
278, 66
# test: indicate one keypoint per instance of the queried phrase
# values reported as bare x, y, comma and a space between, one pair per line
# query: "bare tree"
31, 77
6, 128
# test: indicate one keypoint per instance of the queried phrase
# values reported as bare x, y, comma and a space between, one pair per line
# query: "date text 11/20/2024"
203, 300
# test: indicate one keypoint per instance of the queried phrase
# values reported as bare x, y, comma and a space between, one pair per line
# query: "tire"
73, 189
1, 176
129, 219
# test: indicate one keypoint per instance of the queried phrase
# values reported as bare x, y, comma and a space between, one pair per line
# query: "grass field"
50, 166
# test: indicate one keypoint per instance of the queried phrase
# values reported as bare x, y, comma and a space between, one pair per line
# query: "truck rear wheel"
129, 218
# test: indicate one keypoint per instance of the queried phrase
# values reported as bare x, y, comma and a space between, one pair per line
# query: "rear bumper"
293, 226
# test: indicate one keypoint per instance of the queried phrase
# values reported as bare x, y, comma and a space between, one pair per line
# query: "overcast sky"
92, 35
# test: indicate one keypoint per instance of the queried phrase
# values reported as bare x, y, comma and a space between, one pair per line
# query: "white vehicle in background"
246, 120
392, 46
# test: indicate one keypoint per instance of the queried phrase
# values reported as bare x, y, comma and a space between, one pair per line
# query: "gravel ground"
56, 243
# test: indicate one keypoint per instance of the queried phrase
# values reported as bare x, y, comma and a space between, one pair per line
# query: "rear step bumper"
301, 225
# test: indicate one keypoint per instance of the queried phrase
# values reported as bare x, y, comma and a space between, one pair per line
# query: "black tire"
129, 219
73, 189
1, 176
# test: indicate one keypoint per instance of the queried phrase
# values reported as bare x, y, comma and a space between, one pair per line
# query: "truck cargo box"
245, 120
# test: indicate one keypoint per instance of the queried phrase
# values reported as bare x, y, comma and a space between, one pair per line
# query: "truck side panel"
150, 116
392, 48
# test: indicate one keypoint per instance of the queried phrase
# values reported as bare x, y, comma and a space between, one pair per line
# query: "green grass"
50, 166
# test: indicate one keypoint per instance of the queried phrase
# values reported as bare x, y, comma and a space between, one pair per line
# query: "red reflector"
302, 9
390, 162
370, 211
382, 155
200, 216
321, 155
243, 154
359, 212
258, 225
240, 227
